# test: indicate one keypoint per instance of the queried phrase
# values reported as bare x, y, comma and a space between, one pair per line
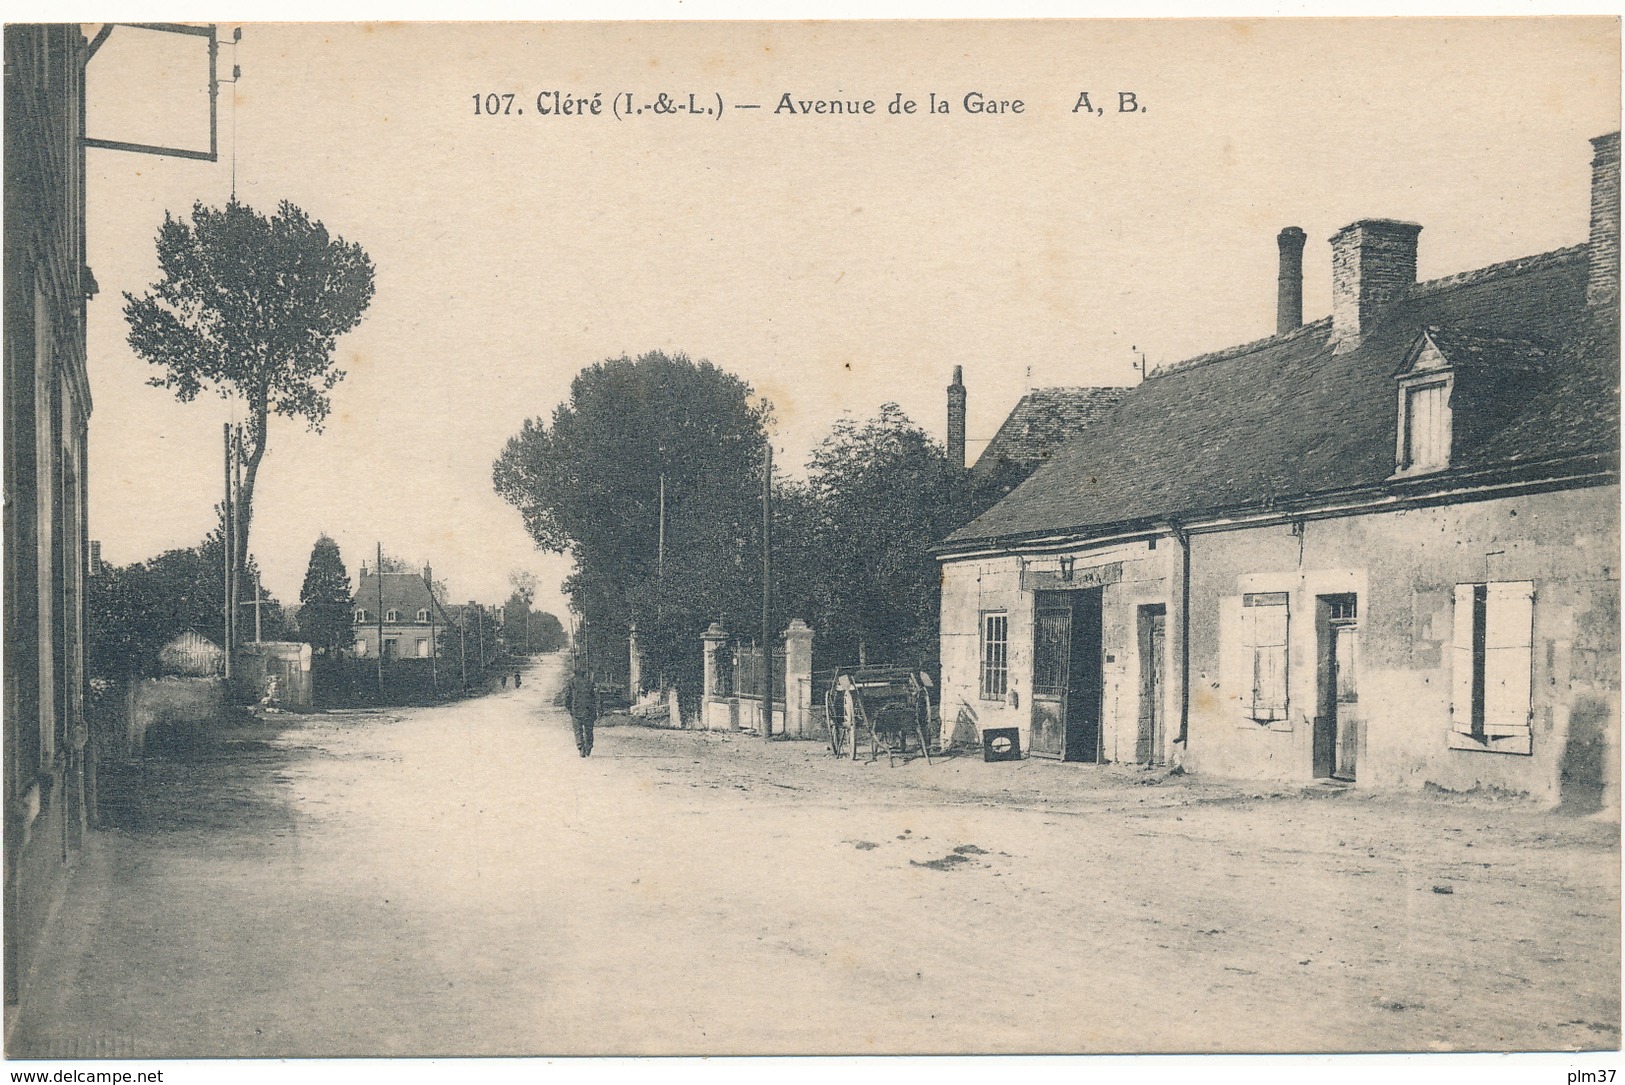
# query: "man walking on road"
583, 707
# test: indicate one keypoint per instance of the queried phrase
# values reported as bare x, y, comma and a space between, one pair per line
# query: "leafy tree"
546, 632
251, 306
880, 495
325, 617
516, 612
394, 564
133, 611
587, 483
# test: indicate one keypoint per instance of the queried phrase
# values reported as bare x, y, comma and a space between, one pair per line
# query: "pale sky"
834, 262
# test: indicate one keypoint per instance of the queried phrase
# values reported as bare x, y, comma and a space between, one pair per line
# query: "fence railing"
749, 676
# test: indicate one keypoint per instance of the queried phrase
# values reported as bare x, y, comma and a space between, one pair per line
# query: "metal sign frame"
210, 32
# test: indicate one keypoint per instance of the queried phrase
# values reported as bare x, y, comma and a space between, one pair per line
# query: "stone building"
47, 409
412, 616
1380, 547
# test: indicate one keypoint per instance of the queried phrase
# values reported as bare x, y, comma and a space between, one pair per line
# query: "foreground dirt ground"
456, 881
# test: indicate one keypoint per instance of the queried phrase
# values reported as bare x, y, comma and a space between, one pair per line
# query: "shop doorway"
1152, 740
1067, 678
1337, 692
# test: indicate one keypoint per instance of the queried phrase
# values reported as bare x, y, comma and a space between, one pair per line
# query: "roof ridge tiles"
1518, 265
1240, 349
1533, 262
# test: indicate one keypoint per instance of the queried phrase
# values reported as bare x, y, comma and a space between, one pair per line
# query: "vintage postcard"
900, 537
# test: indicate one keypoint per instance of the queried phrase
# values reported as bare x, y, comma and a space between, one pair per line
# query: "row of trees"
650, 476
132, 611
248, 306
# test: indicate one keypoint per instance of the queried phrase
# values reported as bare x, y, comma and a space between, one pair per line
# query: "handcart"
885, 705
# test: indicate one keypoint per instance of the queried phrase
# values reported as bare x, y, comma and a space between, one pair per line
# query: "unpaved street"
456, 881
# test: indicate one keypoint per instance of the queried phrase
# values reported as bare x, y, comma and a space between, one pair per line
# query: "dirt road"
456, 881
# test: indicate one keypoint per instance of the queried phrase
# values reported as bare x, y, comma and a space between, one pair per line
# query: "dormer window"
1426, 421
423, 615
392, 615
1426, 443
361, 615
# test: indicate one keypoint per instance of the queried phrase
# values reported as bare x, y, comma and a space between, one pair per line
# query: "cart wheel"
851, 724
922, 721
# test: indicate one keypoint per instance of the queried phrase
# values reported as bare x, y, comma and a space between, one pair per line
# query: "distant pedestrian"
504, 681
583, 710
516, 680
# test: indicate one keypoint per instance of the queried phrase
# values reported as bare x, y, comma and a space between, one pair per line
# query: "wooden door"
1052, 664
1086, 684
1345, 700
1152, 738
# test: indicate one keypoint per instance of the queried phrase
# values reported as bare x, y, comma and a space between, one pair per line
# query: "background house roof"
1043, 420
1286, 417
403, 592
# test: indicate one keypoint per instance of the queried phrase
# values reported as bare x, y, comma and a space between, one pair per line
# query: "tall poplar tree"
251, 306
325, 618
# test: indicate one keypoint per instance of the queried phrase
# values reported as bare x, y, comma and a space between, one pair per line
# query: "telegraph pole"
434, 642
227, 547
378, 572
767, 592
237, 569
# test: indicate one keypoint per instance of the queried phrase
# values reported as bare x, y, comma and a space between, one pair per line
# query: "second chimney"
956, 420
1602, 282
1289, 292
1373, 264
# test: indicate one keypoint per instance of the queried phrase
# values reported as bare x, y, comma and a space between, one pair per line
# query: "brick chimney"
956, 420
1373, 264
1602, 284
1289, 289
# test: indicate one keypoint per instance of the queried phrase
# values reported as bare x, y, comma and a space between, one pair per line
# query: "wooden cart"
885, 705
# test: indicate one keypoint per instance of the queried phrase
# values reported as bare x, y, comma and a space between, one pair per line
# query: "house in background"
1042, 420
47, 412
407, 614
1380, 547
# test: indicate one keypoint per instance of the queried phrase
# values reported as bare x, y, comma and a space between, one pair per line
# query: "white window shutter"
1461, 662
1270, 639
1508, 632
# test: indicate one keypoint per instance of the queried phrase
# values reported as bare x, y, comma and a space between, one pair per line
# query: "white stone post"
715, 639
634, 668
798, 657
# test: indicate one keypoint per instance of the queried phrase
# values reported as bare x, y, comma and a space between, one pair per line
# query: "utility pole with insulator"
227, 541
378, 573
767, 591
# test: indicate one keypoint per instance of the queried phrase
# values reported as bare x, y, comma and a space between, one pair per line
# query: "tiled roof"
1285, 418
403, 592
1043, 420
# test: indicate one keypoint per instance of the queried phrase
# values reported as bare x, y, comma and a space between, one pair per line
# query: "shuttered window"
1264, 643
995, 656
1427, 427
1491, 660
